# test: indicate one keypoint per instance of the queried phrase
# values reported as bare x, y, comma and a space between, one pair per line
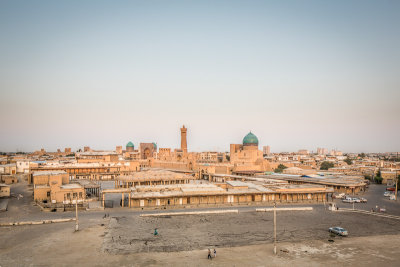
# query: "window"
68, 195
80, 194
48, 194
75, 195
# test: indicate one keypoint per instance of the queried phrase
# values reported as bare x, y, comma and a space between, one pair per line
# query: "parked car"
363, 200
387, 194
339, 231
348, 200
356, 200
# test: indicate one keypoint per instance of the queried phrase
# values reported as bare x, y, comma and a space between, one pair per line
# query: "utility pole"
397, 181
76, 215
275, 228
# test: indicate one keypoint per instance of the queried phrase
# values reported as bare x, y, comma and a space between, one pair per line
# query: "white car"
339, 231
348, 200
387, 194
356, 200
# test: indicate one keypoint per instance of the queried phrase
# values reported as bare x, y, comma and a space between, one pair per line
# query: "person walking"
209, 254
215, 253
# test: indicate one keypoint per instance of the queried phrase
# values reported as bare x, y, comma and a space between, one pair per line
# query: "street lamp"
275, 228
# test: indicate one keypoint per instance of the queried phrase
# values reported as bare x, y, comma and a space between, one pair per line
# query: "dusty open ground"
244, 239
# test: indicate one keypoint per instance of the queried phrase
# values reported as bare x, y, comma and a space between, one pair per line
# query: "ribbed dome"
154, 145
250, 139
130, 144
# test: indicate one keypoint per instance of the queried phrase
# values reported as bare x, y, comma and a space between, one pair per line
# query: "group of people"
209, 254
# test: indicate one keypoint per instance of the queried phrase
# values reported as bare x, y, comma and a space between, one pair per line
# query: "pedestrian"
215, 253
209, 254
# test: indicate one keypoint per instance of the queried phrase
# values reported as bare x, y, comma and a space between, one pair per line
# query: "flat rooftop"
71, 186
40, 173
322, 180
154, 175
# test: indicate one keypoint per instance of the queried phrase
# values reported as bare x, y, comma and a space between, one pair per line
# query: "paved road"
375, 197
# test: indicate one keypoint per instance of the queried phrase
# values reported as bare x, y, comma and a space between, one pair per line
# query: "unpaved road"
242, 239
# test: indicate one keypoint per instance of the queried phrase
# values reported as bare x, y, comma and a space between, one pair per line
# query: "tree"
378, 179
348, 161
280, 168
228, 158
326, 165
362, 155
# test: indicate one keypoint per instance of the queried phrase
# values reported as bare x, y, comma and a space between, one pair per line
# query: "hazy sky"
298, 74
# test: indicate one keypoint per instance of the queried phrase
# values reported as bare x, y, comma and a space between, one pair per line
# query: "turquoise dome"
250, 139
154, 145
130, 144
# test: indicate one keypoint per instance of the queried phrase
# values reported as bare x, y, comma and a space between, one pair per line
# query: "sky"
298, 74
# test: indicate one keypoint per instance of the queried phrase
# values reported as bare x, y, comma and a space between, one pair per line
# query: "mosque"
244, 159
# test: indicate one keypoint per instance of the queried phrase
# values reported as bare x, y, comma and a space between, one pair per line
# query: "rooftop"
71, 186
39, 173
154, 175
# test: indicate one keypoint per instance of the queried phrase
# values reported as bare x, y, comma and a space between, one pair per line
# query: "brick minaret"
183, 139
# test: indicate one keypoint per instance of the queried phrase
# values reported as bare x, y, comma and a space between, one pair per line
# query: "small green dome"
250, 139
154, 145
130, 144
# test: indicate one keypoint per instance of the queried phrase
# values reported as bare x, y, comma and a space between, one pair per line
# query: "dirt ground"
84, 248
242, 239
132, 234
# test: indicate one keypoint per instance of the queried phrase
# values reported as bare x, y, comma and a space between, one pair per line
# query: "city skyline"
177, 146
299, 75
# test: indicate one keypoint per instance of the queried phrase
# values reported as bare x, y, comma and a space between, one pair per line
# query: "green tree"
280, 168
326, 165
362, 155
348, 161
378, 179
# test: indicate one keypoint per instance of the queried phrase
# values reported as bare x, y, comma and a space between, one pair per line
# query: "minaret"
183, 139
